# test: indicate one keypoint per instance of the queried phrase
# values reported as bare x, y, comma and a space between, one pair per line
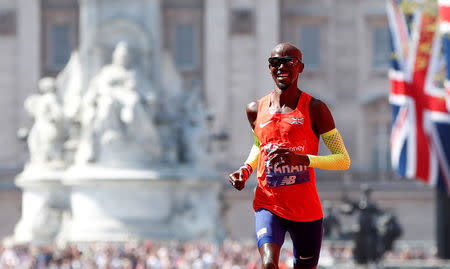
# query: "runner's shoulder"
252, 113
321, 119
252, 107
317, 106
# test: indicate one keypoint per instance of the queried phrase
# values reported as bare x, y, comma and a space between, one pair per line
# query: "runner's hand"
238, 178
281, 156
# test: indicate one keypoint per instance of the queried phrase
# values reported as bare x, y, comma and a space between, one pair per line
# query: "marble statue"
169, 116
116, 105
188, 134
117, 120
45, 140
195, 136
70, 88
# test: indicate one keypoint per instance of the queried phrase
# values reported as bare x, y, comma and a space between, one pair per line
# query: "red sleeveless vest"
287, 191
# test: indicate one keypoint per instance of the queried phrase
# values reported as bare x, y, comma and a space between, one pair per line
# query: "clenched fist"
238, 178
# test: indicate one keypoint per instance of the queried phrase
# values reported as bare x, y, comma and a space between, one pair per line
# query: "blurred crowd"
172, 254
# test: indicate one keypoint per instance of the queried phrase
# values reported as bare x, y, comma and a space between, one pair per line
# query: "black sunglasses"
287, 60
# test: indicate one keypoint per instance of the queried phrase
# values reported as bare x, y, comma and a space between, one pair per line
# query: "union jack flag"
297, 120
420, 138
444, 25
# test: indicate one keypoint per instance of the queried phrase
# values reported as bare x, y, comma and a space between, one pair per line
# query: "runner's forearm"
252, 158
338, 159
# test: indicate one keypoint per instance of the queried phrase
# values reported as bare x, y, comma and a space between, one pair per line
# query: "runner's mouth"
282, 76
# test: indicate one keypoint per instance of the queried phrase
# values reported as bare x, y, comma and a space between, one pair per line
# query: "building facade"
221, 48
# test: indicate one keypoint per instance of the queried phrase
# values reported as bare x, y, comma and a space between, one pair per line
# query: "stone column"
28, 53
242, 79
88, 19
267, 36
216, 63
249, 75
154, 18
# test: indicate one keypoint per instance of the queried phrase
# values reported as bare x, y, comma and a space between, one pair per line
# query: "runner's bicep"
321, 119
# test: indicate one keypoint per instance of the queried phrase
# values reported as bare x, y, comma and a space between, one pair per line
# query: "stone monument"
131, 142
117, 119
44, 197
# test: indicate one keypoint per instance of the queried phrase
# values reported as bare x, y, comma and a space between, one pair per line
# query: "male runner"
287, 124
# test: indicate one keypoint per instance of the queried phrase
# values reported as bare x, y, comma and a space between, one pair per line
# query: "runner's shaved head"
286, 49
285, 65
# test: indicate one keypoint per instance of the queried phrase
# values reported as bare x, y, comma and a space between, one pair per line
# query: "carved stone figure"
117, 121
194, 140
376, 230
69, 84
45, 139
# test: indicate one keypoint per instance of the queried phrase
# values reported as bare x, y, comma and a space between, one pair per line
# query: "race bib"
285, 175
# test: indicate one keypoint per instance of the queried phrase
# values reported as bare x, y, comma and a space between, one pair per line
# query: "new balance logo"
287, 180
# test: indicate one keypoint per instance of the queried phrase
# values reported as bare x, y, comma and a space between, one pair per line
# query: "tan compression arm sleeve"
338, 159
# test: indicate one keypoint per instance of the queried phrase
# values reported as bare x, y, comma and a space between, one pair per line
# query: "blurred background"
122, 120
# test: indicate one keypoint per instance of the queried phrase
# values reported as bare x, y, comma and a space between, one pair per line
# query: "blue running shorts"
306, 236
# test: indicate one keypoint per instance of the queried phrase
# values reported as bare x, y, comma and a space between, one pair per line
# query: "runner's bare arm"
321, 119
240, 176
323, 124
252, 113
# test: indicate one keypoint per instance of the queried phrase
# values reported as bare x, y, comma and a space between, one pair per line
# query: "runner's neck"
287, 98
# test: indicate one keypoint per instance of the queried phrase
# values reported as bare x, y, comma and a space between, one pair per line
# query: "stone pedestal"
108, 204
44, 201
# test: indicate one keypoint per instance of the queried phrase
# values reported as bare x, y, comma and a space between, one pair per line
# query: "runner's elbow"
346, 162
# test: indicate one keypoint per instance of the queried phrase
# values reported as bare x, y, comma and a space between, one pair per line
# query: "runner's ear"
301, 67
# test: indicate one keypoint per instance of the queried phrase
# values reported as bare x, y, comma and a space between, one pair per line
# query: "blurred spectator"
178, 255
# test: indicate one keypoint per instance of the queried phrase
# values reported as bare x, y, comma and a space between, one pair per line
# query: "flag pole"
443, 198
442, 224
